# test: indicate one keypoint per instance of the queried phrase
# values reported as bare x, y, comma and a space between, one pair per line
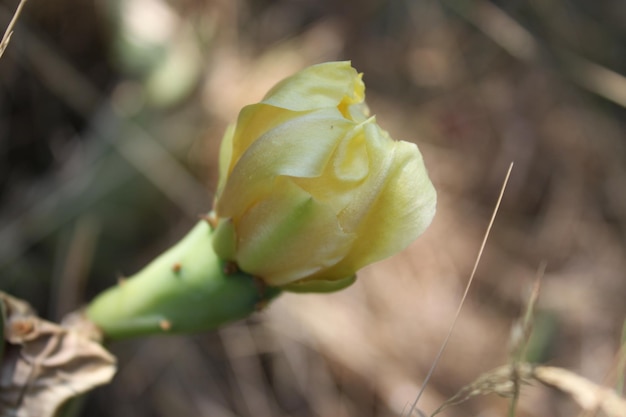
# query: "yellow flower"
311, 189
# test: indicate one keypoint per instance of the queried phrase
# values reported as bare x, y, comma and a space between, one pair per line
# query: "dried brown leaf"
45, 364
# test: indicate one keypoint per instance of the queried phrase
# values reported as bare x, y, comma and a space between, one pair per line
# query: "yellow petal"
300, 147
289, 236
403, 208
389, 210
331, 84
254, 121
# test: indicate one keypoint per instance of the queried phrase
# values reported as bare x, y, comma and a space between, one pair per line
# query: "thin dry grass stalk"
520, 337
467, 287
6, 38
621, 363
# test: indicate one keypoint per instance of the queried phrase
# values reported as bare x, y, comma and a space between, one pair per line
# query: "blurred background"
111, 114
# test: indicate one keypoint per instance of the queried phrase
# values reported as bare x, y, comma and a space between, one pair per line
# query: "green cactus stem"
186, 289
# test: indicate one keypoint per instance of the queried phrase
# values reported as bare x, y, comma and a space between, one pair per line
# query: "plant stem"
186, 289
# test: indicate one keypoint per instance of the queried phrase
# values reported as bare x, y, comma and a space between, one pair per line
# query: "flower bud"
311, 189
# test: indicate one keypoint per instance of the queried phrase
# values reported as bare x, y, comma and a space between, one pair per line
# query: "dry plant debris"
588, 395
507, 380
44, 364
503, 380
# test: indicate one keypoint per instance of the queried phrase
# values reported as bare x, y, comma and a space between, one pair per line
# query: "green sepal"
320, 285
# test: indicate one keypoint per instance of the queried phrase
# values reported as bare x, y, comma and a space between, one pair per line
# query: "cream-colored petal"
379, 148
253, 122
359, 170
289, 236
350, 161
402, 210
300, 147
331, 84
